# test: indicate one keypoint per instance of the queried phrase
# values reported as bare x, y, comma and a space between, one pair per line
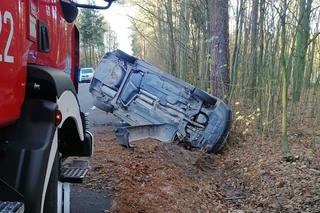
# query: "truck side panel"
26, 154
53, 28
13, 59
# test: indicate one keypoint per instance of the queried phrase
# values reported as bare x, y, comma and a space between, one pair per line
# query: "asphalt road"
85, 200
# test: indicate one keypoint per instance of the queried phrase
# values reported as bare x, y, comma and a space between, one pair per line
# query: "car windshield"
86, 70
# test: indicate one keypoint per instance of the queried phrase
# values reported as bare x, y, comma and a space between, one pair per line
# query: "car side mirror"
70, 10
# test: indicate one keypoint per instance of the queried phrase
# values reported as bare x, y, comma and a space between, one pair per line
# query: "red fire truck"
44, 144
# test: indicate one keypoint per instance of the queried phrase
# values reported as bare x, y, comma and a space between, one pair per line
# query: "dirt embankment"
248, 176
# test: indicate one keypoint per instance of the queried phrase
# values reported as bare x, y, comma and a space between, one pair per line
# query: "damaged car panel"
157, 105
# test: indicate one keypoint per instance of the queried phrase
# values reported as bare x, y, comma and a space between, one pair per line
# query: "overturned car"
154, 104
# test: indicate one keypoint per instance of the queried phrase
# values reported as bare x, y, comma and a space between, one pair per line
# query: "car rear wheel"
205, 97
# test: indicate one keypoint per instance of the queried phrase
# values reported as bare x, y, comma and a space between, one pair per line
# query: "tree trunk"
184, 36
260, 74
172, 48
303, 32
284, 136
237, 45
254, 45
219, 34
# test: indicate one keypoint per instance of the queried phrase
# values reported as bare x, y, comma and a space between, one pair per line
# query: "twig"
236, 198
314, 171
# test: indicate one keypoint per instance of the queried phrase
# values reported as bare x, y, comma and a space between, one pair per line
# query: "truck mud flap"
25, 149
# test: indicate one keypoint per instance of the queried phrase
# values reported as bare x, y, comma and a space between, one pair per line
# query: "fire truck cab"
44, 143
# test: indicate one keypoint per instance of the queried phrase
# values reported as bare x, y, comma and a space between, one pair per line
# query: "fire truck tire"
51, 200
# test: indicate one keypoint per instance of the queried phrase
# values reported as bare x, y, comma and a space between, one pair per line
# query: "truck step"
74, 170
11, 207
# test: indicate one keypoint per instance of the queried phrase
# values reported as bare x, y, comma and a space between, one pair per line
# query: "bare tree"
219, 31
283, 65
172, 47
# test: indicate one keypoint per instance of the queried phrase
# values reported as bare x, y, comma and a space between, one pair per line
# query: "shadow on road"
84, 200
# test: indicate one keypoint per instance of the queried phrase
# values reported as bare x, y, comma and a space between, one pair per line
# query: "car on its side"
86, 74
155, 104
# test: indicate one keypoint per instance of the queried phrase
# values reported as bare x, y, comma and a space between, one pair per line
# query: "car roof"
86, 68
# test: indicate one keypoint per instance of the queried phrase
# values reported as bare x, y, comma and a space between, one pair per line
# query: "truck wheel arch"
69, 107
54, 85
56, 78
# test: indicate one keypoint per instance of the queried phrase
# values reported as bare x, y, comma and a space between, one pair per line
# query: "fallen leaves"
248, 176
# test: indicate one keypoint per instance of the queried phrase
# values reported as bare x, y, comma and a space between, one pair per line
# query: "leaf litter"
247, 176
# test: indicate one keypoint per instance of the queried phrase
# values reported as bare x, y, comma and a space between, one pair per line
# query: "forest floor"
247, 176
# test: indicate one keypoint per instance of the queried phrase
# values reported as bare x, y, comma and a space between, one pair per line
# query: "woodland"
261, 57
96, 37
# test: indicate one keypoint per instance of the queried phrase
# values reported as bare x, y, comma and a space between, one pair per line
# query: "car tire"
219, 145
205, 97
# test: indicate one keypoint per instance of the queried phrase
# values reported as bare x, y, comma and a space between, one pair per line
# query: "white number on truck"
5, 20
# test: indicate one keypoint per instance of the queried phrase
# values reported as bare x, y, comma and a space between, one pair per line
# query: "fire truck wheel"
51, 200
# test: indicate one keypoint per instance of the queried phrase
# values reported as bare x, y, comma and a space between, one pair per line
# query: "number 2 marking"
7, 16
7, 58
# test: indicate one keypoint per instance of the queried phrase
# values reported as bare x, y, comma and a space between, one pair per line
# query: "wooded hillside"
272, 62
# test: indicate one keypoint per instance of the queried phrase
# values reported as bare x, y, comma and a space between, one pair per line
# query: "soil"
247, 176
